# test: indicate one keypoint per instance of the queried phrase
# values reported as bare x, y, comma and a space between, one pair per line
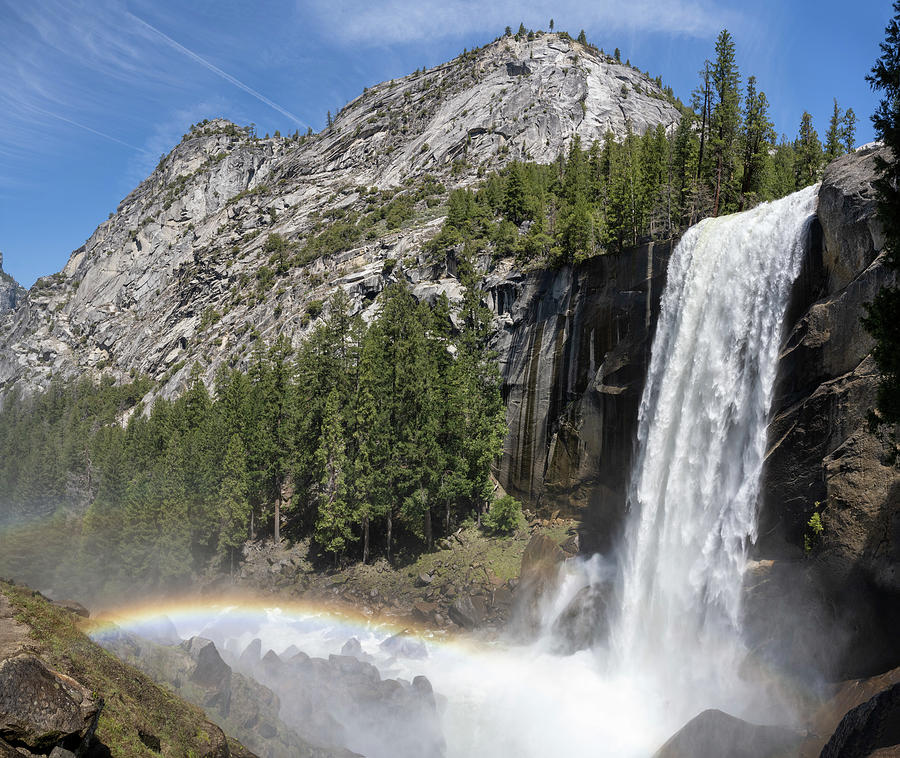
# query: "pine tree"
551, 24
834, 146
758, 139
808, 150
725, 119
582, 39
334, 523
234, 506
514, 203
848, 131
617, 55
784, 175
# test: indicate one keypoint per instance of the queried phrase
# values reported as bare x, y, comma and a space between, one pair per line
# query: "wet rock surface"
871, 728
823, 458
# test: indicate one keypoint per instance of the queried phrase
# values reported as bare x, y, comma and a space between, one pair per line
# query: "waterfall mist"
669, 603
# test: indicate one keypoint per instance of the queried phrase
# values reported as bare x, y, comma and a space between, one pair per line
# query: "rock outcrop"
238, 703
41, 708
823, 458
11, 292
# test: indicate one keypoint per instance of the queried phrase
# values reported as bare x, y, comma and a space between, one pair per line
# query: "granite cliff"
185, 268
11, 292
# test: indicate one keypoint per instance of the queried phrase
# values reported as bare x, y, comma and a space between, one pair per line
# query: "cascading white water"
702, 433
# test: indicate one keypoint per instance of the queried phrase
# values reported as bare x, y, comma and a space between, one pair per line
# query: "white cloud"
391, 21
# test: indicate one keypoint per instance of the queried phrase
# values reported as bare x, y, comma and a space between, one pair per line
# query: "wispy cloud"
219, 72
392, 21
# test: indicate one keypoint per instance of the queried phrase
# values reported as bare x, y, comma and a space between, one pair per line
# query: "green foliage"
504, 516
808, 154
834, 139
383, 433
815, 530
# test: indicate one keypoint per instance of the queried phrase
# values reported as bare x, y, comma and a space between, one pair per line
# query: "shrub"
504, 516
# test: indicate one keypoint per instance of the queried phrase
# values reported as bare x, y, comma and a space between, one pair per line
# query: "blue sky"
94, 91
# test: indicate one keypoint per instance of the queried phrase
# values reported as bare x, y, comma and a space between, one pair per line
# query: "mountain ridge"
181, 272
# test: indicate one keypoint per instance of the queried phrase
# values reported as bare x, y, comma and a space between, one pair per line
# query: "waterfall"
702, 433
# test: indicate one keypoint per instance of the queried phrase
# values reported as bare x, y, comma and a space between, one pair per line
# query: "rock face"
574, 348
181, 272
11, 292
197, 672
822, 457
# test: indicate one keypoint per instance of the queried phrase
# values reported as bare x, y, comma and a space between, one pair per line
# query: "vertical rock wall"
573, 356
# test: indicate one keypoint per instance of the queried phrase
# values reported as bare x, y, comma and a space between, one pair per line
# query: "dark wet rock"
584, 622
573, 353
352, 647
39, 706
468, 611
714, 734
871, 726
538, 576
150, 741
823, 458
210, 671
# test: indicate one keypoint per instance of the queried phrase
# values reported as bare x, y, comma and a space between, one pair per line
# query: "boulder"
210, 670
423, 580
538, 575
715, 734
423, 611
352, 647
871, 726
468, 611
39, 706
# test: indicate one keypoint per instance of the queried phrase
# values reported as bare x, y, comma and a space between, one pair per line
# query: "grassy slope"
132, 700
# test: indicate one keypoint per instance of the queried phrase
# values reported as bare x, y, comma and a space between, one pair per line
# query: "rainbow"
313, 626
